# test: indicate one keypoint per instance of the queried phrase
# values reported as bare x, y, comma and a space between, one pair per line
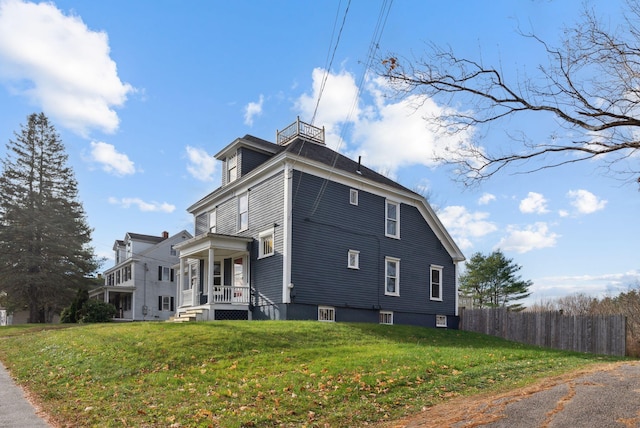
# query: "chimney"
165, 234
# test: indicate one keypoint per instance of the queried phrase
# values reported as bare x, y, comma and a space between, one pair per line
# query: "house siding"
322, 215
250, 159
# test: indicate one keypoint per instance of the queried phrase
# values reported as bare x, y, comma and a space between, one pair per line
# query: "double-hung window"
435, 292
232, 168
353, 259
213, 217
392, 276
165, 273
353, 197
392, 219
243, 212
165, 303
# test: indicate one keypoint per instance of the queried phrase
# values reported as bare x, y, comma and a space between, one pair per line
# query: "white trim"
397, 276
385, 316
388, 202
356, 264
440, 270
455, 280
318, 169
213, 220
261, 240
441, 321
326, 314
353, 196
286, 233
242, 227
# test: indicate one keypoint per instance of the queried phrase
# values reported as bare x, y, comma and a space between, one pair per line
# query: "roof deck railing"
300, 129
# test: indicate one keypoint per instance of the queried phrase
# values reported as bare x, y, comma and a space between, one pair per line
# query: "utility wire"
327, 68
374, 44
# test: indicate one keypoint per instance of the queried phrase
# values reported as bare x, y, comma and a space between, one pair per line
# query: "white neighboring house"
5, 318
142, 284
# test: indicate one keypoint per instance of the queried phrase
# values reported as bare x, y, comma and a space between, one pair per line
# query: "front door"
239, 279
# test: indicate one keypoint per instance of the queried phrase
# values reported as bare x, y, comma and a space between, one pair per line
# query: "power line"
374, 44
327, 68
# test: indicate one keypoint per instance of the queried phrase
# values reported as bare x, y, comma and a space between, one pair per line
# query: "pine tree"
44, 237
492, 281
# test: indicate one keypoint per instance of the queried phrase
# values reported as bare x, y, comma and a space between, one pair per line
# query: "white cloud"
142, 205
201, 166
486, 198
585, 202
532, 237
388, 135
338, 104
60, 65
534, 203
253, 109
464, 225
593, 285
112, 161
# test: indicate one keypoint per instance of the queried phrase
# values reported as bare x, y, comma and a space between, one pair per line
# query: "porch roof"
199, 246
111, 288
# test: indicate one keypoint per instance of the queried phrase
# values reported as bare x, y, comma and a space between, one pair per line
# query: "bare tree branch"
590, 87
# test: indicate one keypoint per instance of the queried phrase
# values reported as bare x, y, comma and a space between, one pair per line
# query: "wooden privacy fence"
597, 334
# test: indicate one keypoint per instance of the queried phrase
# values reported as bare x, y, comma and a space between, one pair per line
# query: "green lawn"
262, 373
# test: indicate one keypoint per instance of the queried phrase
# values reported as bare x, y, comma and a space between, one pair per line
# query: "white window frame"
243, 225
232, 168
388, 260
166, 302
166, 274
213, 220
439, 269
389, 220
326, 314
353, 196
353, 259
441, 321
386, 317
263, 238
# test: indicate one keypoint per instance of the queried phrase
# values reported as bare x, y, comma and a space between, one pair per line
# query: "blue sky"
143, 93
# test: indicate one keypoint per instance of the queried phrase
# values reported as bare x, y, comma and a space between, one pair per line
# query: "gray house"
141, 284
298, 231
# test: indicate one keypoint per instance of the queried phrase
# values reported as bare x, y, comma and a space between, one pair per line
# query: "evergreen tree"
492, 281
44, 237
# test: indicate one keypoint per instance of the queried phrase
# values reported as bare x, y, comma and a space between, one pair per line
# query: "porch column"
180, 285
195, 297
210, 277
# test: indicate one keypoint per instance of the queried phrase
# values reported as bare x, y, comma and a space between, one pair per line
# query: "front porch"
213, 279
119, 296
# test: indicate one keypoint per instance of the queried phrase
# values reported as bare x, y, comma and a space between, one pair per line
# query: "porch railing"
300, 128
223, 294
231, 294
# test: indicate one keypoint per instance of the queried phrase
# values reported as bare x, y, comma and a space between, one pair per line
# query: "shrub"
96, 311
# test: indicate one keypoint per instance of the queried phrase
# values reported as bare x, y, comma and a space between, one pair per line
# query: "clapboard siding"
326, 226
250, 159
266, 213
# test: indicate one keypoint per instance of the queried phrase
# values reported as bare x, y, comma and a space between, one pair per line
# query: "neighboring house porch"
122, 297
213, 283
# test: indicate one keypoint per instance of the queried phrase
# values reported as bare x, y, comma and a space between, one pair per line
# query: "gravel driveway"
603, 396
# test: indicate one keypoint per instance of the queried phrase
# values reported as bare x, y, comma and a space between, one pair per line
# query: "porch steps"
188, 316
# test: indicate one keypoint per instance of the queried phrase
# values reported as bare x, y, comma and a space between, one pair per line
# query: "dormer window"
232, 168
